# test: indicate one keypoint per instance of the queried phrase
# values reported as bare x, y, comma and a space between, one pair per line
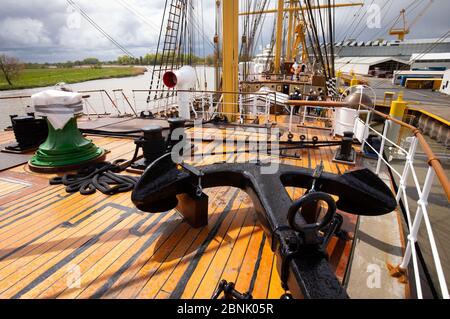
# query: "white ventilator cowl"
183, 80
57, 106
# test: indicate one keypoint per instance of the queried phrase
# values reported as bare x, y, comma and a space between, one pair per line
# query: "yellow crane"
400, 32
405, 29
300, 39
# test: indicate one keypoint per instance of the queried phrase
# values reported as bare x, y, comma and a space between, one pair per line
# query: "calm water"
97, 101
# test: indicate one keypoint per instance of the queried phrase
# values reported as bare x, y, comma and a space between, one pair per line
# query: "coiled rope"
103, 176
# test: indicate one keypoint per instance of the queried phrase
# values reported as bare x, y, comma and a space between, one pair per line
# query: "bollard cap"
152, 129
25, 118
176, 122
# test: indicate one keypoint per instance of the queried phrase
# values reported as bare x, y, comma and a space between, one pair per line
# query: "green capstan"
65, 147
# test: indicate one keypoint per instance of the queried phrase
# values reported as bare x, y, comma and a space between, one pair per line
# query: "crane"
402, 32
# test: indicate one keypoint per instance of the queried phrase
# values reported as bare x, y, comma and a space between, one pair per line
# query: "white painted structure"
362, 65
445, 88
184, 80
422, 61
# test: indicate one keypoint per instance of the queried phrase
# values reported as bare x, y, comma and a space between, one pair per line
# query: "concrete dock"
433, 102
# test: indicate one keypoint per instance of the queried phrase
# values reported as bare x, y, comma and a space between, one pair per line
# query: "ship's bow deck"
59, 245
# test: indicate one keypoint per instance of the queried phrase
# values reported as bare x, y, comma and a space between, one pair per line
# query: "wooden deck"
59, 245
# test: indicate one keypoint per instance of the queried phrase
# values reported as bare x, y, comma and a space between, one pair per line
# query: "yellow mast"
278, 43
230, 54
289, 32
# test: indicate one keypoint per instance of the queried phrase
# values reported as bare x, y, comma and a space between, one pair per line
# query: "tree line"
11, 67
148, 59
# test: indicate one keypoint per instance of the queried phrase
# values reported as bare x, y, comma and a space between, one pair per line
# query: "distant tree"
91, 61
210, 59
10, 67
68, 64
125, 60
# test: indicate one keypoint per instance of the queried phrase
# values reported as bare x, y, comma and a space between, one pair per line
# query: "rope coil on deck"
103, 177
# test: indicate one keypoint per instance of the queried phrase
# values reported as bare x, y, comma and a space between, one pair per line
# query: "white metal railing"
325, 117
414, 222
204, 105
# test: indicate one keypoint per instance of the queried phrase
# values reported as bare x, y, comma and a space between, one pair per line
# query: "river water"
99, 102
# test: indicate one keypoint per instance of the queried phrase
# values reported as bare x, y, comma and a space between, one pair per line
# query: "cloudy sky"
53, 31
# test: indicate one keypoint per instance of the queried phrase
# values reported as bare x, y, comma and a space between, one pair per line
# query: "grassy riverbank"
31, 78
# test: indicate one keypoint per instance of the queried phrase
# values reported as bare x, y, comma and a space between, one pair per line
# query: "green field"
30, 78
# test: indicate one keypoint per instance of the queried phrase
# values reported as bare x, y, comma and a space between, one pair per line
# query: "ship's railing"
115, 102
320, 115
96, 102
423, 189
435, 169
324, 114
205, 104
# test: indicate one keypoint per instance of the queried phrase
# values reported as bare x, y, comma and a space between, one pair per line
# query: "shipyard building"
394, 58
403, 50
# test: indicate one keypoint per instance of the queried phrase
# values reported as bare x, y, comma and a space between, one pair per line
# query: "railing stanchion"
291, 114
241, 110
405, 175
305, 110
383, 143
134, 101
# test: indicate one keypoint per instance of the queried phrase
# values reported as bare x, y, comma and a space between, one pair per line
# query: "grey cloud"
49, 30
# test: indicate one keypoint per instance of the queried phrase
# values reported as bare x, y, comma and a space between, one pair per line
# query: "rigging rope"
99, 29
141, 17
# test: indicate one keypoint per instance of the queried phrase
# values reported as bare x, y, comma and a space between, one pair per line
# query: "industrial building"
392, 48
431, 60
378, 66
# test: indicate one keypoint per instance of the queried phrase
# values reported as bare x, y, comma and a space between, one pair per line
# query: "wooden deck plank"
199, 243
214, 273
142, 255
120, 274
173, 265
25, 278
157, 268
59, 280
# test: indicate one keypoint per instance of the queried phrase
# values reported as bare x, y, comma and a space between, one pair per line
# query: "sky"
53, 31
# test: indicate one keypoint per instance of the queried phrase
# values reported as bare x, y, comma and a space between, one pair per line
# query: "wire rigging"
99, 29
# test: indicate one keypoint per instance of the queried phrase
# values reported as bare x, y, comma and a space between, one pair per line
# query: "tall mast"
230, 55
290, 32
279, 38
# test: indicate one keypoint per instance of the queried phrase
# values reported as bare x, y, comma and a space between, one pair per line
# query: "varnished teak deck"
59, 245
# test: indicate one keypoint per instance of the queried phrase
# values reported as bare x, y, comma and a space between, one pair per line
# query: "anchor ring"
306, 199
